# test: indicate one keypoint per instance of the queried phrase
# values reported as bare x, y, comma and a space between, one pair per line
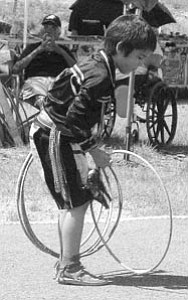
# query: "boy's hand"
100, 157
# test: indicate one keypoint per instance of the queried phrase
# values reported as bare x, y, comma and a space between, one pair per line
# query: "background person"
43, 61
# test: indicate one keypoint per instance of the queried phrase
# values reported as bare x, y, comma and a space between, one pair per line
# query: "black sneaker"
79, 277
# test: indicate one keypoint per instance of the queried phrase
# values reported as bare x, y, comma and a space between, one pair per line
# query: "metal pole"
130, 107
25, 23
15, 7
130, 104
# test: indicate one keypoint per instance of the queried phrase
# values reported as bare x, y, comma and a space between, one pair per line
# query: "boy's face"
127, 64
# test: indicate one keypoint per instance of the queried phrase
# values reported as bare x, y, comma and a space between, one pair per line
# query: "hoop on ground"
21, 206
126, 182
109, 219
35, 204
143, 244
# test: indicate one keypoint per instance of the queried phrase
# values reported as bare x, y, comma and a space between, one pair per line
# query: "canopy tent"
154, 12
158, 16
107, 10
101, 11
150, 9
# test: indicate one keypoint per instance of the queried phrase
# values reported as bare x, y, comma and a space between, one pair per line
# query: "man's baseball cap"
52, 19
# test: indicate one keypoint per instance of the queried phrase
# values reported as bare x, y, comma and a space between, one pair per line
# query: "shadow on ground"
174, 149
158, 279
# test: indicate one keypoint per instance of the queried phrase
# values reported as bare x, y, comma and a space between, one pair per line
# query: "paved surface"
26, 272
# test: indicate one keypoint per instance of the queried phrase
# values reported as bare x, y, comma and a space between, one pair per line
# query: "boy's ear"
120, 49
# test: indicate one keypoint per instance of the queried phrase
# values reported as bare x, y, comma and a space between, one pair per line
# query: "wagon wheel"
161, 115
109, 118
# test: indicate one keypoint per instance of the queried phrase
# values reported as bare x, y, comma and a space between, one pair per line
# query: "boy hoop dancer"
62, 133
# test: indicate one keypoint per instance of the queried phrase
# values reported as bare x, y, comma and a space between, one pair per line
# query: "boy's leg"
72, 232
70, 270
70, 227
61, 217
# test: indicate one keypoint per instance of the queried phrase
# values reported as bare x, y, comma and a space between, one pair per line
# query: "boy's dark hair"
131, 32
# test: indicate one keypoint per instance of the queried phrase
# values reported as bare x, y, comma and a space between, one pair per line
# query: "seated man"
42, 62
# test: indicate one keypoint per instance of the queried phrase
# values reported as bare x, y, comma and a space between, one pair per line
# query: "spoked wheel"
161, 115
143, 238
35, 203
109, 118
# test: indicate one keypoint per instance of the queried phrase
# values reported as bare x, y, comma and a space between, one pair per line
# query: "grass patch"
142, 193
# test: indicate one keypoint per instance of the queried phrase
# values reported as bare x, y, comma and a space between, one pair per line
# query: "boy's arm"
89, 144
80, 125
76, 120
84, 112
